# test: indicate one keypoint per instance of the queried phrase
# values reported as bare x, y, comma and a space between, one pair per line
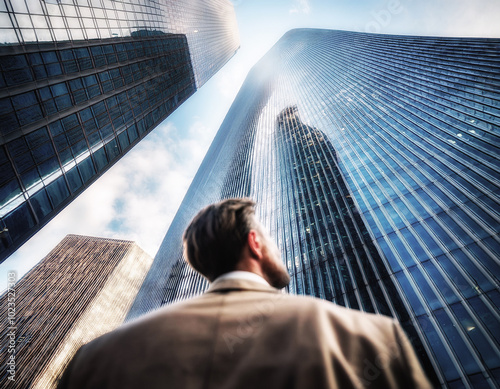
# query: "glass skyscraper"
374, 162
82, 81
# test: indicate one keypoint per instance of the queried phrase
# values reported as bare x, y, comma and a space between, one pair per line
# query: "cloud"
153, 181
457, 18
230, 84
477, 19
300, 6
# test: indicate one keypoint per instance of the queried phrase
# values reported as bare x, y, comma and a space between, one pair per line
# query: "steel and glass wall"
82, 82
374, 161
210, 26
82, 289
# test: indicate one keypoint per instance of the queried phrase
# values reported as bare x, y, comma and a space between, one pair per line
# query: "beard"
274, 269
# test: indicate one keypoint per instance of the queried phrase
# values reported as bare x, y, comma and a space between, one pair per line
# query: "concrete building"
79, 291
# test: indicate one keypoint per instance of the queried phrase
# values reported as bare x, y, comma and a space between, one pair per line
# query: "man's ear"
255, 244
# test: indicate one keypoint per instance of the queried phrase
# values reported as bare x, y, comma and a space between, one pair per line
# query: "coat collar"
234, 284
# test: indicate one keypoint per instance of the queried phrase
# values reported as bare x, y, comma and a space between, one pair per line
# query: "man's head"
226, 236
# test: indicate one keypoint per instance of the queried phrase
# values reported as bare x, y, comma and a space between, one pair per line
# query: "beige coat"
241, 334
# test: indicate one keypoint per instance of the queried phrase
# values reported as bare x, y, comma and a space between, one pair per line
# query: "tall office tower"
82, 82
374, 162
79, 291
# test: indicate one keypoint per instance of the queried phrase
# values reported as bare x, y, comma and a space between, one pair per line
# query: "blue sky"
138, 197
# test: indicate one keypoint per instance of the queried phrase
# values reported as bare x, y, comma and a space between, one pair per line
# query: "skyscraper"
374, 162
79, 291
82, 82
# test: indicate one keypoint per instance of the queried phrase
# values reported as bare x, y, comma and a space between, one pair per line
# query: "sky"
139, 196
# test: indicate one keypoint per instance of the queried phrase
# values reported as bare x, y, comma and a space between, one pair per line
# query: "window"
100, 159
441, 283
463, 352
410, 294
41, 204
86, 169
425, 288
58, 191
476, 335
74, 179
91, 85
441, 354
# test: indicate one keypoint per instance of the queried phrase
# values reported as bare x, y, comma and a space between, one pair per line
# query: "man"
244, 333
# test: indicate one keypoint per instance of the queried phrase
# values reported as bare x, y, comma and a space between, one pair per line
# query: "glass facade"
82, 82
209, 26
374, 162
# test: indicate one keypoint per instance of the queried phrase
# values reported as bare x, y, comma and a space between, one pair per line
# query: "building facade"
374, 162
79, 291
82, 82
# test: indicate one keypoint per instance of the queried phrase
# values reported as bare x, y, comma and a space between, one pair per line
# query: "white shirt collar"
242, 275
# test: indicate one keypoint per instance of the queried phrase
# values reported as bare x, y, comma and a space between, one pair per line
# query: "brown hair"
214, 239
